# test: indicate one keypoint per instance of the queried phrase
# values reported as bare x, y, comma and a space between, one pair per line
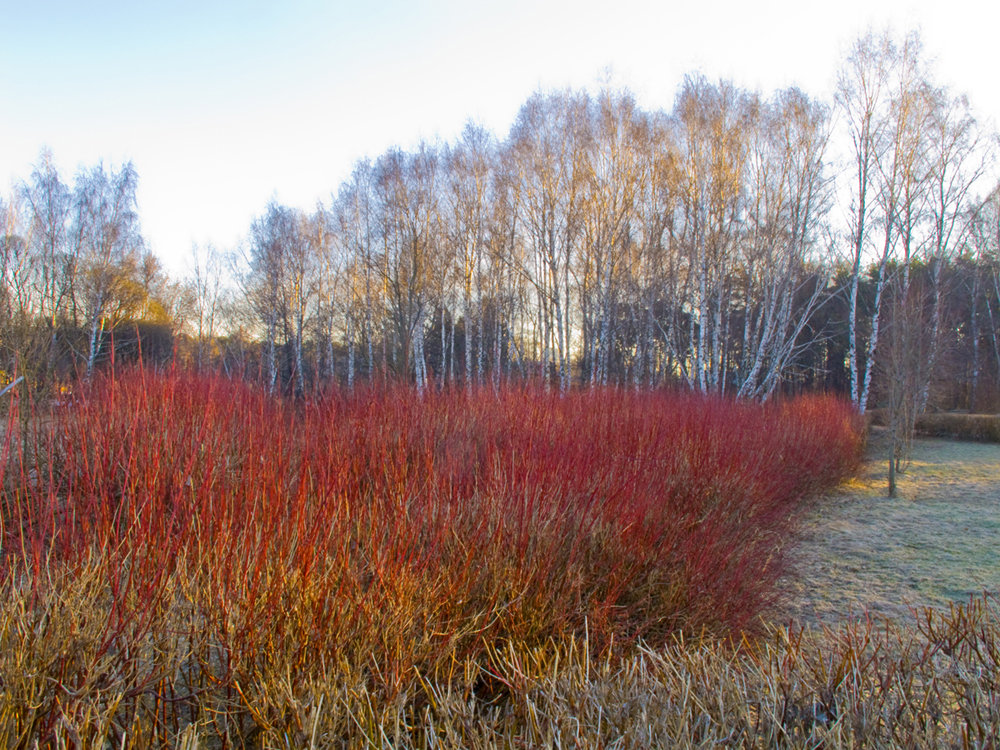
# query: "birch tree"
549, 144
16, 266
205, 284
789, 194
503, 280
49, 202
305, 245
470, 167
327, 287
861, 97
107, 229
956, 161
407, 190
617, 172
711, 125
355, 226
984, 241
880, 94
273, 239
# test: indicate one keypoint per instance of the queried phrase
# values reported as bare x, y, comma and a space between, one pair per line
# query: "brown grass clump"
932, 683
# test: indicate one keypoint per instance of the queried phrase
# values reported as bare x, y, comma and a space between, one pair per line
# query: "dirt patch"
933, 544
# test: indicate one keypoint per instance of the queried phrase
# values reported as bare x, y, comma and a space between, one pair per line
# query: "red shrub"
381, 527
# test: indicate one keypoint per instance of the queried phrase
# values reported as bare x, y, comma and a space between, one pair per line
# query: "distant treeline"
735, 244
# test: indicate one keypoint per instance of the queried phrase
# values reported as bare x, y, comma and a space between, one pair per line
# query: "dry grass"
933, 683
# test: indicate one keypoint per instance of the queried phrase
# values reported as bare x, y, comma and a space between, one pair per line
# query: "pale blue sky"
222, 105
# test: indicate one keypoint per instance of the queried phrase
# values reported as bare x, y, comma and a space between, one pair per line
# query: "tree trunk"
852, 339
96, 335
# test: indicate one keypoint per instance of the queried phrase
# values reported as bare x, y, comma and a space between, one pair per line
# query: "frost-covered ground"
937, 542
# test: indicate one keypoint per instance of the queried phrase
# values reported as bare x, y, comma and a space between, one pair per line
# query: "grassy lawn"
933, 544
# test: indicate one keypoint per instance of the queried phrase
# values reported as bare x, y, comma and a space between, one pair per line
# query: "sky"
223, 106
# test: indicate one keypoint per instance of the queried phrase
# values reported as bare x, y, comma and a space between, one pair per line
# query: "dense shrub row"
981, 427
984, 428
188, 551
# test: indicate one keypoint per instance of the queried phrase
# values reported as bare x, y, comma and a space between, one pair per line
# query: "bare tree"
904, 366
711, 123
617, 175
409, 212
327, 265
50, 205
549, 146
355, 227
984, 240
107, 229
16, 266
862, 93
206, 294
274, 243
956, 161
789, 195
470, 165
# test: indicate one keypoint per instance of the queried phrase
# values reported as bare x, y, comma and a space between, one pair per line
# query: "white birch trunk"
872, 342
96, 336
852, 339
